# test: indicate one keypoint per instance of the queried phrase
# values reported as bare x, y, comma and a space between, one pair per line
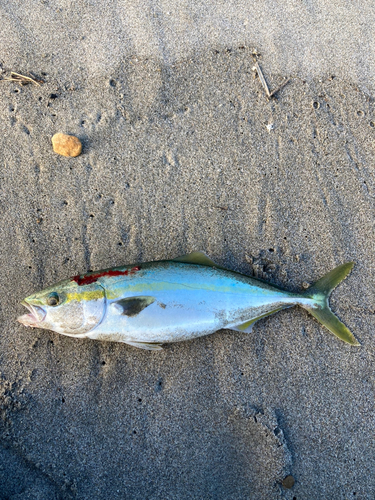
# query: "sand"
182, 151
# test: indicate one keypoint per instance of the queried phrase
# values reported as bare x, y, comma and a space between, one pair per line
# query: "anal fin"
148, 346
247, 327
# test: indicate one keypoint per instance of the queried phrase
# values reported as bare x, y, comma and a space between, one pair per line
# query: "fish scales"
197, 301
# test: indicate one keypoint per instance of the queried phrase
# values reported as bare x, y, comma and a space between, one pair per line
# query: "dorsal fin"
198, 258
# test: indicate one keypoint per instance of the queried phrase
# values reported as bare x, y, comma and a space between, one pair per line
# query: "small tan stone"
288, 482
66, 145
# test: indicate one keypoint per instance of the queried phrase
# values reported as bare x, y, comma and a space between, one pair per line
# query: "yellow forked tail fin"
320, 292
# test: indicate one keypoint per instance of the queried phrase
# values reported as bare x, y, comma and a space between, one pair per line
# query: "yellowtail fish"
146, 305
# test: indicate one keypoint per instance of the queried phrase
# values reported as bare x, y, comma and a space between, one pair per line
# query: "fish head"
66, 308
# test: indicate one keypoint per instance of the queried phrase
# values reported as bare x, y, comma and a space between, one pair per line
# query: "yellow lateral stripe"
117, 291
89, 295
165, 286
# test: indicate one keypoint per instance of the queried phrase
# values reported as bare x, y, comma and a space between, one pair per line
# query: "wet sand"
182, 151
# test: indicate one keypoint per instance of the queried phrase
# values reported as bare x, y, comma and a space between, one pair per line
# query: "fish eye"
53, 299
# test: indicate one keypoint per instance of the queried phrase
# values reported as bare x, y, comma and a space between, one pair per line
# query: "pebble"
66, 145
288, 482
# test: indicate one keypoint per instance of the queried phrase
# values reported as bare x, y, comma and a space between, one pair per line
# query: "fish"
150, 304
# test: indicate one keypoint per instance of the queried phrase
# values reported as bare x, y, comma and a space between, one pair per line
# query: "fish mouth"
35, 316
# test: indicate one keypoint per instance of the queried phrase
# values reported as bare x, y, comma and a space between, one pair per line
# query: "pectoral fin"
148, 346
247, 327
132, 306
198, 258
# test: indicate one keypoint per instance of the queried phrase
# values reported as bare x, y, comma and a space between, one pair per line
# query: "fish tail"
319, 308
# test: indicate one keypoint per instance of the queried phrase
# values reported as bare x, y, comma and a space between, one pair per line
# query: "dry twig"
264, 83
22, 79
279, 87
262, 79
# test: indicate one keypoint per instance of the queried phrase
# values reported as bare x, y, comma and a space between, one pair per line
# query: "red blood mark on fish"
91, 278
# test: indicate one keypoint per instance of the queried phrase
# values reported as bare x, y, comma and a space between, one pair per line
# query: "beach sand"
182, 151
